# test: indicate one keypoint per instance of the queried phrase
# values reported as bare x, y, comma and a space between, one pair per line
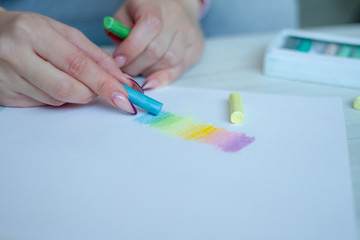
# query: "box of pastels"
314, 57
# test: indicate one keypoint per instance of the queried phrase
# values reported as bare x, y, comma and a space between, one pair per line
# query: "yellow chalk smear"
204, 132
197, 132
236, 108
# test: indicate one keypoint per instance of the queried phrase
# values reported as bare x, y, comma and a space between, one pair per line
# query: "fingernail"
152, 84
135, 85
122, 102
120, 61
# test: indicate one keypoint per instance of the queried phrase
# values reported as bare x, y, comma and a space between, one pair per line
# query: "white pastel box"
331, 60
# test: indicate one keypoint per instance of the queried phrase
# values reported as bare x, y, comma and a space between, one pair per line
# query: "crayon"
236, 108
143, 101
356, 104
116, 28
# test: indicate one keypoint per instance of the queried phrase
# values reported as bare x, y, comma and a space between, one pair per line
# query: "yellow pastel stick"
356, 104
236, 108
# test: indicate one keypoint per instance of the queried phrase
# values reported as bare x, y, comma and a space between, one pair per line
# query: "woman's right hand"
44, 62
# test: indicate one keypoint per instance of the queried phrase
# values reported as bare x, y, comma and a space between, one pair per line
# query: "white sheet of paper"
90, 172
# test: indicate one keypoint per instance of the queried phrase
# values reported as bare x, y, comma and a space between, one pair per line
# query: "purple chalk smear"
235, 142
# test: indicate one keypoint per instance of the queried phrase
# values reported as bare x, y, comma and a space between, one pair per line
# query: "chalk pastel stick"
236, 108
356, 103
116, 28
304, 45
331, 49
143, 101
317, 47
356, 52
344, 51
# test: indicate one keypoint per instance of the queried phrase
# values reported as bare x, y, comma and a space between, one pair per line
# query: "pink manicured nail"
152, 84
135, 85
120, 61
122, 102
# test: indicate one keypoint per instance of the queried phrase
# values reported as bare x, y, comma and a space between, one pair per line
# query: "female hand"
165, 39
43, 61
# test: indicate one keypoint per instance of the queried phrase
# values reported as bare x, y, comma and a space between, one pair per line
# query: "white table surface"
236, 63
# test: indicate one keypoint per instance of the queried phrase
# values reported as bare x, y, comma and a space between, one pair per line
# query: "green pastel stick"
344, 51
304, 45
116, 28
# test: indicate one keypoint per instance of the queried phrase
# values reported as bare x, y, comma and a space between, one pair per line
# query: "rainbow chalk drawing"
180, 126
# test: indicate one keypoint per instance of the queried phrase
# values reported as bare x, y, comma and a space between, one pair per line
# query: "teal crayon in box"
304, 45
314, 57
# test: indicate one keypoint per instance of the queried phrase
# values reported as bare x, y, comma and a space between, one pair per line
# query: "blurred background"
223, 18
328, 12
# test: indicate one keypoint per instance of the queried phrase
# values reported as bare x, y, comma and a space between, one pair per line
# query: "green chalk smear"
344, 51
167, 122
161, 117
356, 52
304, 45
180, 126
173, 124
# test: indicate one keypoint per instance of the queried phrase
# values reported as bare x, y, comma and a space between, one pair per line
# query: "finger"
19, 100
35, 93
52, 81
65, 56
166, 76
148, 25
18, 87
152, 54
99, 56
123, 17
172, 57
